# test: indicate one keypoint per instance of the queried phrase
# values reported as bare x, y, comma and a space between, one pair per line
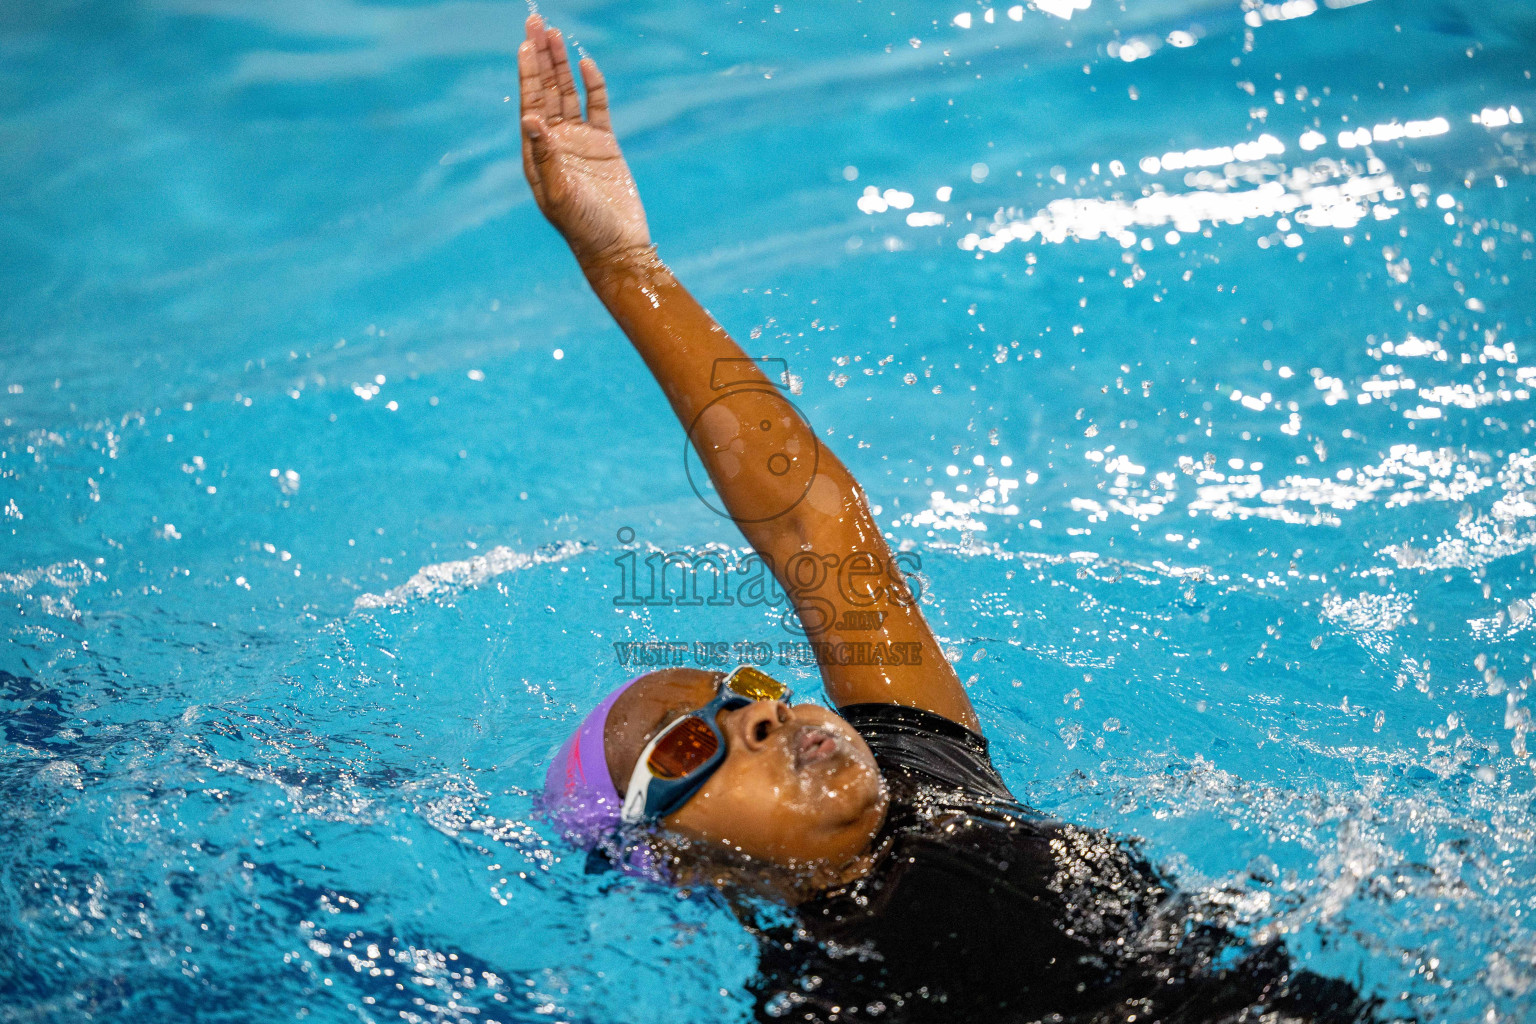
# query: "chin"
852, 787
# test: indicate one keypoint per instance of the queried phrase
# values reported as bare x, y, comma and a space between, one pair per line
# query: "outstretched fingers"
565, 85
530, 106
597, 95
543, 92
547, 97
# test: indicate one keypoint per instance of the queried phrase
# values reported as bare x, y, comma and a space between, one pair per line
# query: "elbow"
832, 512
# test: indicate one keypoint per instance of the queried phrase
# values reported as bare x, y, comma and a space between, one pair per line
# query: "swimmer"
918, 887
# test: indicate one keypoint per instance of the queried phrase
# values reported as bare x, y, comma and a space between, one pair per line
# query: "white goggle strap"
640, 783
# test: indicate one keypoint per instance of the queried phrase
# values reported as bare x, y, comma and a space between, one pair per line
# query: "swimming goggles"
681, 758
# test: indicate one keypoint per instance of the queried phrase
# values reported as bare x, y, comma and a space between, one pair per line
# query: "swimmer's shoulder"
923, 747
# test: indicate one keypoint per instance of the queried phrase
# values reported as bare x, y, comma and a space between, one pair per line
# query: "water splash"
442, 581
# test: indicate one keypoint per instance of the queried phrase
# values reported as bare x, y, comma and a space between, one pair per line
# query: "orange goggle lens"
684, 749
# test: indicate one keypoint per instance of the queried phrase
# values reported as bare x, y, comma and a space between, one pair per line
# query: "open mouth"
813, 745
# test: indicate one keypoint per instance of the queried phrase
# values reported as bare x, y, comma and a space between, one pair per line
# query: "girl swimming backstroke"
919, 888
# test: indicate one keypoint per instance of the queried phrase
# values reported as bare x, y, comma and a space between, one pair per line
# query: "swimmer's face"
798, 785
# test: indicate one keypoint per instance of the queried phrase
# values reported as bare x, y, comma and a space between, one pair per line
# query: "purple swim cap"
579, 795
582, 802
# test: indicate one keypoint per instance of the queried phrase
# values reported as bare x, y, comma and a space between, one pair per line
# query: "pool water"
1188, 346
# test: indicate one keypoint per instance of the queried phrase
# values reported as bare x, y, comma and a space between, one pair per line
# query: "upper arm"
872, 642
820, 539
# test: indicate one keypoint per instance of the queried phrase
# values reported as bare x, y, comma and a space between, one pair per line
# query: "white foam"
445, 579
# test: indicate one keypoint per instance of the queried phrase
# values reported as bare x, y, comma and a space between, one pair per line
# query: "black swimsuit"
981, 909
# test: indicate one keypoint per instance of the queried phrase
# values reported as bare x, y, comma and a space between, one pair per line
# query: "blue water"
315, 455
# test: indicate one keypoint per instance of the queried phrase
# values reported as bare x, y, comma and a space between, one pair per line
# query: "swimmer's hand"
573, 164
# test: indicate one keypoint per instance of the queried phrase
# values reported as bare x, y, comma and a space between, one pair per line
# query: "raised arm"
794, 500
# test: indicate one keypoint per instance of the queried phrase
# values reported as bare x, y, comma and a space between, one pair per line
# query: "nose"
754, 726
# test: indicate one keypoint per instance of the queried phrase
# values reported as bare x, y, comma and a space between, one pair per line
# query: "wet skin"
798, 787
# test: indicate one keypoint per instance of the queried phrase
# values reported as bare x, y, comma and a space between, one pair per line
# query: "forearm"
760, 453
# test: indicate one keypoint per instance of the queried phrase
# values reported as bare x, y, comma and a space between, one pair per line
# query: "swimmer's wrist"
640, 261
